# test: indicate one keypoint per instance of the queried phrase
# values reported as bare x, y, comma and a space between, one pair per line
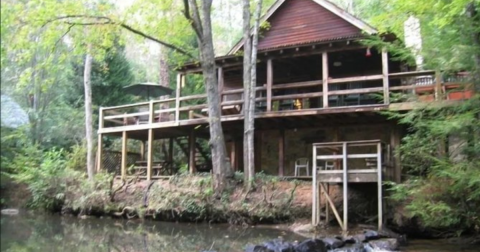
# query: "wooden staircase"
203, 162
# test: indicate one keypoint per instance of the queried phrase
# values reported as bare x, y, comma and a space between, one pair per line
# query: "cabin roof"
297, 22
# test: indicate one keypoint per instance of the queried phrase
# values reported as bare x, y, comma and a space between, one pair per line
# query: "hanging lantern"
368, 54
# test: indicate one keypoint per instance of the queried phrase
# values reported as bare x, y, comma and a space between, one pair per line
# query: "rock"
359, 238
349, 240
389, 244
371, 235
10, 211
311, 245
257, 248
279, 245
357, 247
333, 243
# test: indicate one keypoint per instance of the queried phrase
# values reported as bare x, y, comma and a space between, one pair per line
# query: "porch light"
337, 63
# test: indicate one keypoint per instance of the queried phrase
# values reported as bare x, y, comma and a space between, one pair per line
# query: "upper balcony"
396, 91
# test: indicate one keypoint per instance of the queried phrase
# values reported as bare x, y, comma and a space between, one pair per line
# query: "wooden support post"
438, 86
345, 188
142, 151
334, 210
386, 91
100, 153
191, 155
314, 187
170, 150
281, 153
327, 216
124, 155
325, 79
269, 84
379, 184
150, 154
258, 150
232, 155
180, 80
220, 83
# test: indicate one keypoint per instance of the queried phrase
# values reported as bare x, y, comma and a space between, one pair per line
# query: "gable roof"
297, 28
12, 115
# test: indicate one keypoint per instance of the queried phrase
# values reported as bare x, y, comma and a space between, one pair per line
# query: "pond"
34, 232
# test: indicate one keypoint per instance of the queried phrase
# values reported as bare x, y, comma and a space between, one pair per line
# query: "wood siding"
304, 21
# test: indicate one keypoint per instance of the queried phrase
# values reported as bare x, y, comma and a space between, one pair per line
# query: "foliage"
43, 173
441, 157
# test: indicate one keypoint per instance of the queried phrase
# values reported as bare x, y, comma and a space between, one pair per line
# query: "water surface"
33, 232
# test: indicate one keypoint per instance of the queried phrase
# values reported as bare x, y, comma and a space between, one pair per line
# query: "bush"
443, 184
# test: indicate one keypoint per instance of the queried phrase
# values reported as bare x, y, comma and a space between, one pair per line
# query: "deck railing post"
325, 79
180, 79
100, 118
269, 84
152, 112
220, 83
386, 91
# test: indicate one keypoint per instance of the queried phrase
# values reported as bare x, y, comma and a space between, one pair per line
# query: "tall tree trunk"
88, 115
253, 84
247, 54
203, 30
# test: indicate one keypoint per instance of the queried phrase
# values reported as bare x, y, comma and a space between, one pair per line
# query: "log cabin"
319, 97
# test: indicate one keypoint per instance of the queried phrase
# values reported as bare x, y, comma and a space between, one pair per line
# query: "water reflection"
28, 232
62, 233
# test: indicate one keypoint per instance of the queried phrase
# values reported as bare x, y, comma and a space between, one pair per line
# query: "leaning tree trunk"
247, 68
88, 115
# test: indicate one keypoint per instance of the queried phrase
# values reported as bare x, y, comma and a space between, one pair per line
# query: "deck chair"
329, 165
301, 163
353, 99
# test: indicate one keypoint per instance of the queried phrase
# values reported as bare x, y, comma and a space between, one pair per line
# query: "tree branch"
195, 21
103, 20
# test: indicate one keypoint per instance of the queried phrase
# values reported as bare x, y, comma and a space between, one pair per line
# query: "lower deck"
279, 143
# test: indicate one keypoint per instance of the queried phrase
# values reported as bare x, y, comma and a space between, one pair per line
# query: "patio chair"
329, 165
301, 163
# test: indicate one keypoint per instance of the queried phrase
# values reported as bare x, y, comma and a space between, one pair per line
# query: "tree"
200, 20
249, 84
442, 187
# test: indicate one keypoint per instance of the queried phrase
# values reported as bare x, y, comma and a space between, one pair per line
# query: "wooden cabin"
319, 95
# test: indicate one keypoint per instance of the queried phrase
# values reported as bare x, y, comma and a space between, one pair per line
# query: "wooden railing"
297, 96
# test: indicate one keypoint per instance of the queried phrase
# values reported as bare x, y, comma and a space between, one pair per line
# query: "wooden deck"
399, 91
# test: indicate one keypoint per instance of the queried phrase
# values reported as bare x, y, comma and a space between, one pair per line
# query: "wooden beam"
124, 155
325, 79
150, 154
220, 83
233, 145
258, 148
281, 153
100, 153
191, 152
314, 188
269, 84
386, 92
